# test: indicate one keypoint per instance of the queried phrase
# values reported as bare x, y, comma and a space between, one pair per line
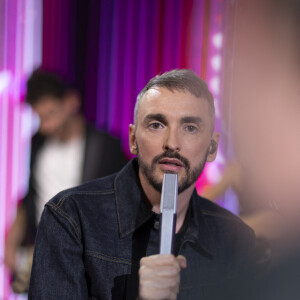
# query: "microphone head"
169, 193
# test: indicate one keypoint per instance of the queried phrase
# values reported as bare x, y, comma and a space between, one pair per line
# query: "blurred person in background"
261, 216
266, 107
265, 111
65, 152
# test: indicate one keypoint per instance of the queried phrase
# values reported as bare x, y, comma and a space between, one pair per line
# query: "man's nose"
172, 141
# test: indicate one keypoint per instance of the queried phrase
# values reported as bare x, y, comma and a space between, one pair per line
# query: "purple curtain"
111, 48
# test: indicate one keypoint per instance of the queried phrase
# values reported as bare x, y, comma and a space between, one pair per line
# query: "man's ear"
132, 139
213, 147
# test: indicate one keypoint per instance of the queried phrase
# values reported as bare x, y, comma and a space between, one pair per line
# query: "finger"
168, 283
175, 288
159, 259
181, 261
161, 272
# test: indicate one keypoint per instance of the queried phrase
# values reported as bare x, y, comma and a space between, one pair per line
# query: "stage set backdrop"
109, 49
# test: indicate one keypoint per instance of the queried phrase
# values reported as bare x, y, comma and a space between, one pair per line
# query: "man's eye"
191, 128
155, 126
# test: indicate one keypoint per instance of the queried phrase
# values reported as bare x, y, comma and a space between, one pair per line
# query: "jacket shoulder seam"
69, 219
107, 257
62, 199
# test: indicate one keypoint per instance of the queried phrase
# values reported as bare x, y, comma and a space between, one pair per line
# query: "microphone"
168, 211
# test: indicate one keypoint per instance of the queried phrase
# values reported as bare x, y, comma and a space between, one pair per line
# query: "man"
100, 240
65, 152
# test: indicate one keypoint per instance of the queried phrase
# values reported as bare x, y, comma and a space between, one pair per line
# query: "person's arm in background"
15, 238
230, 178
266, 223
58, 269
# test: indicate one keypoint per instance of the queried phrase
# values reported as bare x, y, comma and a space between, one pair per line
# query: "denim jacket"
91, 238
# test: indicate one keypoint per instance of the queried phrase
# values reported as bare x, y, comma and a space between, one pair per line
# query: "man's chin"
183, 183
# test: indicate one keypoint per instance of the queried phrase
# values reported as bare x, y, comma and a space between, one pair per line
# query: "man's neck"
153, 197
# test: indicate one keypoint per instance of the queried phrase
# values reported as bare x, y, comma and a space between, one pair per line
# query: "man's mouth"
171, 164
171, 161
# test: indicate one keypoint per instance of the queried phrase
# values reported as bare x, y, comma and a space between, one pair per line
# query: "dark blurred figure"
65, 152
265, 114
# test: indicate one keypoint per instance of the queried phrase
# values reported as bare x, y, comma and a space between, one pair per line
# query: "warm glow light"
213, 173
5, 77
217, 108
216, 63
218, 40
215, 85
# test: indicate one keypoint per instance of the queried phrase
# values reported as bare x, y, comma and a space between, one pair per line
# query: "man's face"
172, 135
53, 114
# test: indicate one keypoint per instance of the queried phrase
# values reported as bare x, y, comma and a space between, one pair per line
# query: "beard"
190, 177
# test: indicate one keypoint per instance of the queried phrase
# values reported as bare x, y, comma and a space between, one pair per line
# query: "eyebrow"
191, 119
158, 117
161, 118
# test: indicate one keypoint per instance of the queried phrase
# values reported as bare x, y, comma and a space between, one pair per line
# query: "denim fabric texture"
91, 238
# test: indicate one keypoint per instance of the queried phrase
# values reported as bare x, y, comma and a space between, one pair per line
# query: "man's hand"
160, 276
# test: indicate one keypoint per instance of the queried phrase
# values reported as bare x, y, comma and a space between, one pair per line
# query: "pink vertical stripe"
13, 40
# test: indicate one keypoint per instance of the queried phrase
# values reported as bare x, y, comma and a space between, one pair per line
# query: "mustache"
171, 154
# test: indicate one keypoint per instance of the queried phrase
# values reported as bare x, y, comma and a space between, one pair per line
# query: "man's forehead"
154, 91
158, 98
176, 102
157, 91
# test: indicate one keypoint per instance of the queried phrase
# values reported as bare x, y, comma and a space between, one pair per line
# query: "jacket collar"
198, 230
132, 211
